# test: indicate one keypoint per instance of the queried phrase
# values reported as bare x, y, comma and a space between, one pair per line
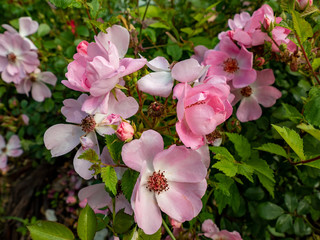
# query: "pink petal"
202, 119
82, 166
243, 78
106, 158
14, 143
156, 84
180, 164
199, 53
40, 91
209, 227
258, 38
159, 64
143, 149
93, 104
3, 161
227, 46
182, 201
48, 77
188, 138
9, 28
72, 109
264, 78
205, 155
242, 37
122, 203
27, 26
131, 65
266, 95
3, 63
62, 138
245, 59
187, 71
146, 210
103, 87
119, 36
123, 105
96, 196
30, 61
249, 110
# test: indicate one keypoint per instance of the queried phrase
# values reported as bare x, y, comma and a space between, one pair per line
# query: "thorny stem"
307, 59
168, 230
144, 16
305, 161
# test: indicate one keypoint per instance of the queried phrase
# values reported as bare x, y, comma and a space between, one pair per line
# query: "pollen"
246, 91
12, 57
157, 182
230, 65
88, 124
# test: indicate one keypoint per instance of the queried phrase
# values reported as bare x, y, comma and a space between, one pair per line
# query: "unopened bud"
82, 48
302, 4
260, 61
156, 109
125, 131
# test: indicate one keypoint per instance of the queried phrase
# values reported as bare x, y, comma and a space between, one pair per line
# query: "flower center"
32, 78
230, 65
157, 182
156, 109
88, 124
12, 57
211, 137
246, 91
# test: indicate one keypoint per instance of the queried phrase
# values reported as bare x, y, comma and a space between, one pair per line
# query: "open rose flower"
211, 230
171, 180
12, 149
259, 92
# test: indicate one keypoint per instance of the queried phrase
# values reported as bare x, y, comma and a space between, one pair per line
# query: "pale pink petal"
243, 78
9, 28
100, 69
199, 53
180, 164
106, 158
187, 70
72, 109
156, 84
14, 152
209, 227
249, 110
82, 166
96, 196
14, 143
143, 149
145, 205
122, 203
40, 91
30, 61
266, 95
264, 78
3, 161
27, 26
227, 46
159, 64
258, 38
93, 105
62, 138
3, 63
188, 138
123, 105
202, 119
242, 37
245, 59
48, 77
103, 87
131, 65
205, 155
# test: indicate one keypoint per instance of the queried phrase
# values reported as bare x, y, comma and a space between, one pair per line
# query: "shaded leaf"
46, 230
273, 148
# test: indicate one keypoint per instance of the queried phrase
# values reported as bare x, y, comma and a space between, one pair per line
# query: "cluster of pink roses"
19, 61
210, 82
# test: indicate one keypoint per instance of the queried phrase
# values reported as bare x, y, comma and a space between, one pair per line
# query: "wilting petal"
156, 84
249, 110
159, 64
62, 138
27, 26
180, 164
96, 196
187, 70
143, 149
81, 166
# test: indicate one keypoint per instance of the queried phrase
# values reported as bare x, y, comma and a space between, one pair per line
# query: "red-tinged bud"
82, 48
302, 4
125, 131
260, 61
174, 223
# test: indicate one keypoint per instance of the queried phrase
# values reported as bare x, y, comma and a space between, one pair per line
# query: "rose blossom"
172, 180
12, 149
212, 231
259, 92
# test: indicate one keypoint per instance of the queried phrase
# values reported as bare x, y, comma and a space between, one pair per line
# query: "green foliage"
310, 129
109, 177
284, 223
241, 145
114, 146
143, 236
301, 27
45, 230
90, 155
122, 222
43, 29
293, 140
312, 107
273, 148
87, 224
269, 210
128, 181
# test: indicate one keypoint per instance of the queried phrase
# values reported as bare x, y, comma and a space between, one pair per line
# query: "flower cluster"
19, 61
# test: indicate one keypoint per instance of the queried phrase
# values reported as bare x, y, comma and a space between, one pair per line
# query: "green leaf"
87, 224
316, 64
83, 31
301, 26
45, 230
264, 173
43, 29
241, 145
228, 168
293, 140
174, 51
94, 7
128, 181
224, 183
246, 170
309, 10
291, 201
300, 228
48, 105
62, 3
222, 153
254, 193
114, 146
310, 129
269, 210
89, 155
291, 113
109, 177
303, 207
284, 223
122, 222
273, 148
159, 25
143, 236
312, 110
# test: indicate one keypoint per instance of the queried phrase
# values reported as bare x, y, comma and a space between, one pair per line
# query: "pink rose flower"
16, 58
125, 131
212, 231
233, 63
12, 149
172, 180
259, 92
201, 109
302, 4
